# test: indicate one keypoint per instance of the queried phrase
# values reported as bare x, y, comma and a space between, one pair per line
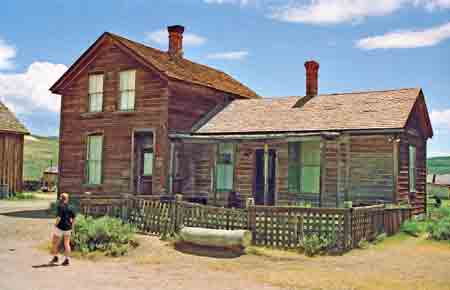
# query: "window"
225, 166
412, 168
95, 92
127, 90
94, 159
148, 163
304, 167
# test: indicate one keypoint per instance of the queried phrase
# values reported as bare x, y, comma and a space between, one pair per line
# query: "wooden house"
137, 120
11, 150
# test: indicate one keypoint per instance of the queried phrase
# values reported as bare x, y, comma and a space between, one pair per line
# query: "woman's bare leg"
67, 248
55, 244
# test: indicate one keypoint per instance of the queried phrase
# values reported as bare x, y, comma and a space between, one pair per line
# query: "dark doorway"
260, 197
143, 162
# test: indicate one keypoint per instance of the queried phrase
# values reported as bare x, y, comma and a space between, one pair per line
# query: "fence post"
178, 220
348, 242
251, 220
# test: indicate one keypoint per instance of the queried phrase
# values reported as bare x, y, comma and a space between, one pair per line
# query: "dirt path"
24, 225
398, 263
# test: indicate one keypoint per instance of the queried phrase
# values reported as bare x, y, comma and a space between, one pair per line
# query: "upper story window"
304, 167
127, 90
95, 92
412, 168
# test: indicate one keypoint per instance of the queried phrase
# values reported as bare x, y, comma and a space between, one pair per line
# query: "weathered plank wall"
195, 169
417, 199
116, 127
11, 161
188, 103
371, 169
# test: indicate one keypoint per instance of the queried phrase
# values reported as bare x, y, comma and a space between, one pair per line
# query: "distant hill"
39, 153
438, 165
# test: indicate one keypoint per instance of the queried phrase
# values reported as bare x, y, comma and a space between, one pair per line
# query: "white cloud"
161, 37
7, 54
28, 91
232, 55
341, 11
334, 11
434, 4
407, 38
441, 119
240, 2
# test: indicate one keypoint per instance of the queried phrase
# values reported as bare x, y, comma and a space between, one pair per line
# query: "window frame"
412, 170
232, 163
298, 164
127, 91
88, 160
96, 93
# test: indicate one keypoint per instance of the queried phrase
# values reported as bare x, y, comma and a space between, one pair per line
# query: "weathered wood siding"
371, 169
417, 199
188, 103
117, 127
11, 161
195, 169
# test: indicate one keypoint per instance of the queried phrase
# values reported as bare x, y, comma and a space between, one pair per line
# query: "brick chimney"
312, 78
175, 40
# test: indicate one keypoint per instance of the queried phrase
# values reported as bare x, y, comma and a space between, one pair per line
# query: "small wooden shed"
50, 178
11, 151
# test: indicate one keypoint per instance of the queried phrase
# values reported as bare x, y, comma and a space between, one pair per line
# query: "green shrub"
314, 244
363, 244
381, 237
105, 234
411, 227
22, 196
438, 225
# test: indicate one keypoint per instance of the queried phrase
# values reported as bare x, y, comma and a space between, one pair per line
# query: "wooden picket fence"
273, 226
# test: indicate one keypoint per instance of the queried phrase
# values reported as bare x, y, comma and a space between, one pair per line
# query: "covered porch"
322, 169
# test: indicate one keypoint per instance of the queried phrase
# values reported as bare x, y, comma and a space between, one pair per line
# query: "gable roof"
9, 122
173, 67
348, 111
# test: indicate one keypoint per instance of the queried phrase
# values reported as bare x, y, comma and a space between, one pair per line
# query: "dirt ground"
397, 263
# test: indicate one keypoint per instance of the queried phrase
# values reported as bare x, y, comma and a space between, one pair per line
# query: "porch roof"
372, 110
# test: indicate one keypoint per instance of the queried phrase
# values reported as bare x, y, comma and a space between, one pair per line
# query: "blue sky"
263, 43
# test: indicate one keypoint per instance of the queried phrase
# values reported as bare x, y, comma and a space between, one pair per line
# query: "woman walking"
65, 219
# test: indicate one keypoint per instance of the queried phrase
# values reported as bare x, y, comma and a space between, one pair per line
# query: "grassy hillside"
438, 165
39, 153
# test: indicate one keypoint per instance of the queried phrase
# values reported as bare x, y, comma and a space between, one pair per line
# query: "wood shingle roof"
178, 68
9, 122
348, 111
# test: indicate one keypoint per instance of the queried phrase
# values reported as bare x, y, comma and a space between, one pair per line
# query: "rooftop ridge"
345, 93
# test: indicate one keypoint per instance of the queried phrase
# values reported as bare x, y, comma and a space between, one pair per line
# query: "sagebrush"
106, 234
411, 227
438, 225
313, 244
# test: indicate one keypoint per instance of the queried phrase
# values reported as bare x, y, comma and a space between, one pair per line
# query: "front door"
263, 166
144, 156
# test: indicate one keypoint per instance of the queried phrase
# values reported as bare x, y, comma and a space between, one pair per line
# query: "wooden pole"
266, 172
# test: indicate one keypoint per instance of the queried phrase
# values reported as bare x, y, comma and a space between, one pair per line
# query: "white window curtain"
95, 92
304, 167
127, 89
225, 167
148, 163
94, 162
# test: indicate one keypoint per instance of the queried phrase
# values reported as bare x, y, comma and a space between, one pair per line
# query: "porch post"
171, 165
266, 172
